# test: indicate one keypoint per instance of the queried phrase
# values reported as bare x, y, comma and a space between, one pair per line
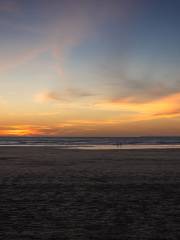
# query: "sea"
93, 143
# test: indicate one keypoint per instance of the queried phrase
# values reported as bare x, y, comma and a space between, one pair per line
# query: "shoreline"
99, 147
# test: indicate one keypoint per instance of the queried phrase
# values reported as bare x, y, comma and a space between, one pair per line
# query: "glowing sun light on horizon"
18, 132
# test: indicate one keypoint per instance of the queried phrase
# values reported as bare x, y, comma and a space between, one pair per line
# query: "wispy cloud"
20, 59
137, 81
69, 23
66, 95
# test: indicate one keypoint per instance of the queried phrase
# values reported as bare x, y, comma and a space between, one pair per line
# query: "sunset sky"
89, 67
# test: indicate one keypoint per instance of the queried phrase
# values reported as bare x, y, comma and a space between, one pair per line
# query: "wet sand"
50, 193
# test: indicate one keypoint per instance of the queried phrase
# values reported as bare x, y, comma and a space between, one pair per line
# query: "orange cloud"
142, 116
163, 107
64, 128
18, 130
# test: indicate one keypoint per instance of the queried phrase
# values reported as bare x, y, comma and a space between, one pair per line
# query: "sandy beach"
51, 193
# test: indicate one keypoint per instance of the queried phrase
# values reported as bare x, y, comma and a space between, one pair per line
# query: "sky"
89, 68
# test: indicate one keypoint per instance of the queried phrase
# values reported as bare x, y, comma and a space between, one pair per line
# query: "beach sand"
50, 193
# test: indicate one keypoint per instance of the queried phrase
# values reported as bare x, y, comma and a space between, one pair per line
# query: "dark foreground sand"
48, 193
